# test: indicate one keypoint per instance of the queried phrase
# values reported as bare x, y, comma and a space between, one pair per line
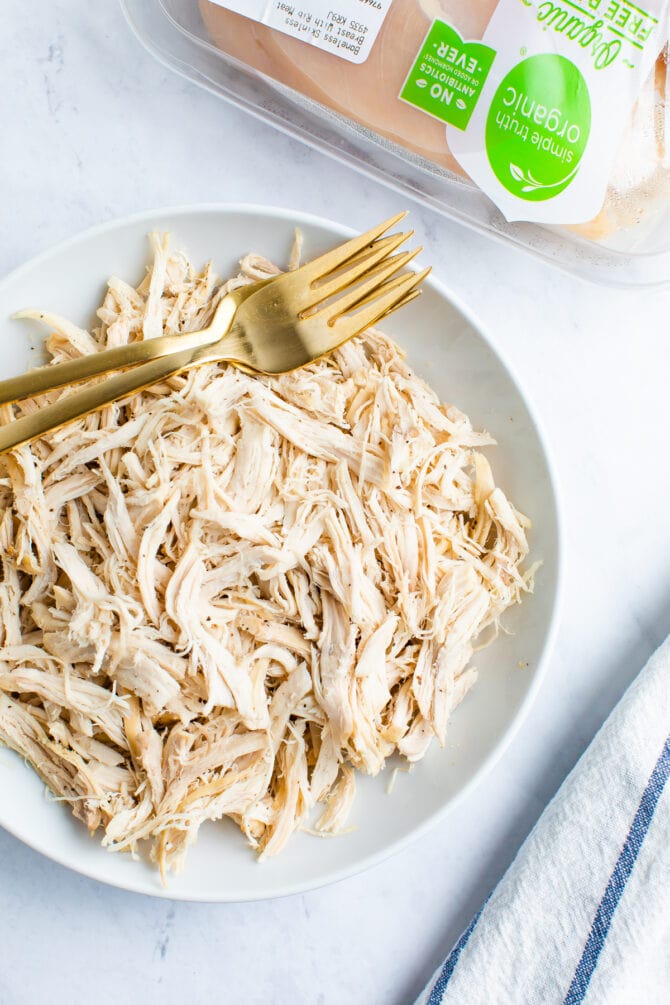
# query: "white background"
92, 128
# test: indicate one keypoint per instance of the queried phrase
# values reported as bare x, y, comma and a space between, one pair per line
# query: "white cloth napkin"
583, 913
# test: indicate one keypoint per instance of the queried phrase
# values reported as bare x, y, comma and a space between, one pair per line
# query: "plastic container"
175, 33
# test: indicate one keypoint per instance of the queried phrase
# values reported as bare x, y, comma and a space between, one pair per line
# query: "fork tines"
366, 272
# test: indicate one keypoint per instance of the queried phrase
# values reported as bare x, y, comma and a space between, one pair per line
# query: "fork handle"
47, 378
90, 399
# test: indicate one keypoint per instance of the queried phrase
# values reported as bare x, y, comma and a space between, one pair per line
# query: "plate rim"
297, 218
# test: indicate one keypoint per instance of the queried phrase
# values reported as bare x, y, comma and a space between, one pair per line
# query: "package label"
537, 109
448, 75
347, 28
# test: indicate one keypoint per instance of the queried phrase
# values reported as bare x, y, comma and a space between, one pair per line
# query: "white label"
547, 125
347, 28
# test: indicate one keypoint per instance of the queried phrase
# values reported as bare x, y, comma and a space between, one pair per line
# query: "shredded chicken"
224, 594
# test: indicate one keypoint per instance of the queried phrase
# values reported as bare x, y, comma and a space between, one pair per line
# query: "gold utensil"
270, 327
74, 371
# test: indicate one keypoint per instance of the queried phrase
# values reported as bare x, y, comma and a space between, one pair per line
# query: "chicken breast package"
557, 111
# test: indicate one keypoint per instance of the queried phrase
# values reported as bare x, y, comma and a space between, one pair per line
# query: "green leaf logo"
538, 126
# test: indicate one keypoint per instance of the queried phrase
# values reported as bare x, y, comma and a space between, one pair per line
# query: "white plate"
447, 346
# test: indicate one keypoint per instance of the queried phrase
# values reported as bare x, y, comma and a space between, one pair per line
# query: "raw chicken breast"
367, 93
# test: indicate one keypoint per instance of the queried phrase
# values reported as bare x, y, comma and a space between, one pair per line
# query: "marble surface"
93, 128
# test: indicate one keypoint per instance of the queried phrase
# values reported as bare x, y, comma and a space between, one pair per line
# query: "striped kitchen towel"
583, 913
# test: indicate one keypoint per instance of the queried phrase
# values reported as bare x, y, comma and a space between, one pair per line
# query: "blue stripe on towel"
618, 879
447, 970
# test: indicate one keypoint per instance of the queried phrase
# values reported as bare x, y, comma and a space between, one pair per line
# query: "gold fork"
271, 327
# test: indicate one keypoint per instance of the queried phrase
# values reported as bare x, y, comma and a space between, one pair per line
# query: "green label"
448, 75
538, 126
